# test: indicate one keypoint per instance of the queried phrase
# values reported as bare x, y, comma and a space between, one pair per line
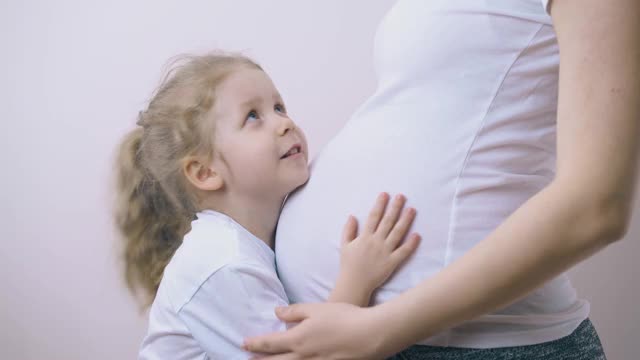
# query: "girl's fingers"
406, 249
350, 230
401, 227
391, 216
376, 213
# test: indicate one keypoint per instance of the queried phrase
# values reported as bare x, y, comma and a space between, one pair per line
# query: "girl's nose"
285, 125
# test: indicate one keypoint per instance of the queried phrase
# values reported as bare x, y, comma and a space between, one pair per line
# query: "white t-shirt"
220, 287
463, 122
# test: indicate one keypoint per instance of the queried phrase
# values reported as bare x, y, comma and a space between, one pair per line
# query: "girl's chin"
299, 181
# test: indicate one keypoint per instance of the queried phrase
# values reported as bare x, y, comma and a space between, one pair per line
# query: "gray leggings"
582, 344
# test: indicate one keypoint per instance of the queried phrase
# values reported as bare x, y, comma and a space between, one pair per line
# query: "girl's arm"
584, 209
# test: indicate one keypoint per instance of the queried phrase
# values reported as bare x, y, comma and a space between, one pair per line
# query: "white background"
73, 76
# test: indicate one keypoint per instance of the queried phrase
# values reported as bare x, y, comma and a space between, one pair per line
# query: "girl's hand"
367, 260
325, 331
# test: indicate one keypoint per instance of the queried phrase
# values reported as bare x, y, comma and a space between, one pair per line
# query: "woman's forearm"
543, 238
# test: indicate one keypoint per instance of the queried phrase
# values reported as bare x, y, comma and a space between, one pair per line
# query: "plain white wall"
74, 74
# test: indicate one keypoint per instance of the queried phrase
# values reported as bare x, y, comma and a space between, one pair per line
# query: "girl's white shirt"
219, 287
463, 122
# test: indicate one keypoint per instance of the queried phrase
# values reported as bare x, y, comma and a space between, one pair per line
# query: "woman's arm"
584, 209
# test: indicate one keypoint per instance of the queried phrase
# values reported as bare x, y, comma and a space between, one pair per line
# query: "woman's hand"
325, 331
368, 259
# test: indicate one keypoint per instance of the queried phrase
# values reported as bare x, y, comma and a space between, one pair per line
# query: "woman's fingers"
287, 356
401, 227
275, 343
376, 213
391, 215
279, 342
350, 230
293, 313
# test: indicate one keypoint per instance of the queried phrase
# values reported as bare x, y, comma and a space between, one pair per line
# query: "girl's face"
258, 147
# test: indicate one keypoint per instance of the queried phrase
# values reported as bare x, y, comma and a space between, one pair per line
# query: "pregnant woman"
512, 126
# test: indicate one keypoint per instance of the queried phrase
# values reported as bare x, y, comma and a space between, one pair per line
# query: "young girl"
201, 182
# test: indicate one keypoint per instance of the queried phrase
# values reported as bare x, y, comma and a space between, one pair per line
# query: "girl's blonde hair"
155, 204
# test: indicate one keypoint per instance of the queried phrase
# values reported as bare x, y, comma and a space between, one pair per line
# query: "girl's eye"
252, 115
279, 108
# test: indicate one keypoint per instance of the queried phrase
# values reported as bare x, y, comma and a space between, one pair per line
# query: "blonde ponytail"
151, 224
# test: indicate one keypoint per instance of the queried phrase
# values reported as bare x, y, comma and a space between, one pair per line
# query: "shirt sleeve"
547, 6
237, 301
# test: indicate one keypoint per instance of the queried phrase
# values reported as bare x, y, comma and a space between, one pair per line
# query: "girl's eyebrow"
257, 99
251, 101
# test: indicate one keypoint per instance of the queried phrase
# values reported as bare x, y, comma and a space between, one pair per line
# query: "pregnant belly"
389, 150
460, 185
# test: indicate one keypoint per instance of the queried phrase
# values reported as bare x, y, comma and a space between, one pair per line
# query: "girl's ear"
202, 175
